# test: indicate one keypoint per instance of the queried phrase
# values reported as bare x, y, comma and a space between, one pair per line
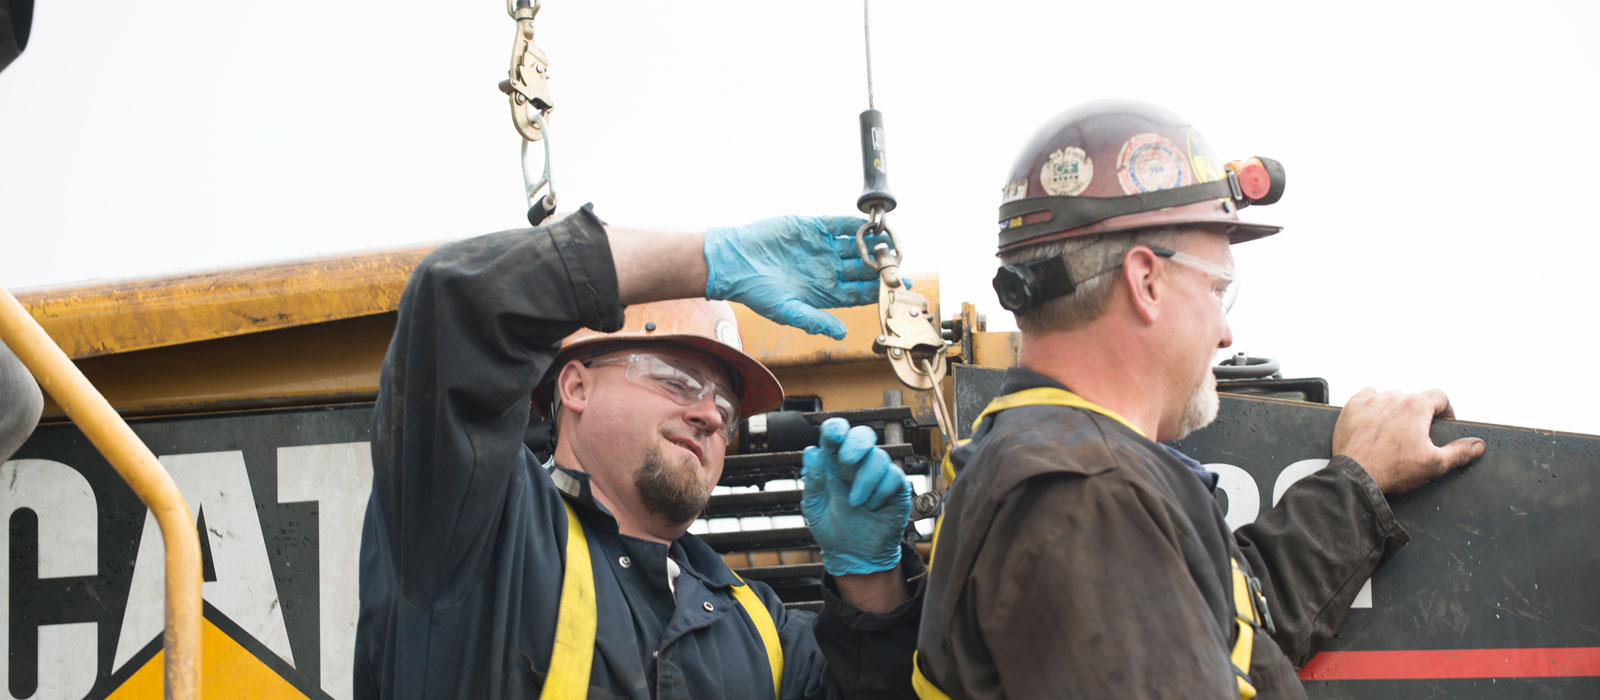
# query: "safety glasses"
685, 386
1223, 284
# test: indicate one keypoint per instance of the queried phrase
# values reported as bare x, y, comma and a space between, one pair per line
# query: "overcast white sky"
1441, 155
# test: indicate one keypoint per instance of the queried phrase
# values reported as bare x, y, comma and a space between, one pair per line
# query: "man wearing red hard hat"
486, 574
1078, 556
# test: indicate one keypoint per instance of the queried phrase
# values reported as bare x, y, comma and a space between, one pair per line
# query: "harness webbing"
1244, 611
575, 620
577, 617
764, 627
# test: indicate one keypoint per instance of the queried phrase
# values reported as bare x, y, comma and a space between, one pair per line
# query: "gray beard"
674, 493
1201, 408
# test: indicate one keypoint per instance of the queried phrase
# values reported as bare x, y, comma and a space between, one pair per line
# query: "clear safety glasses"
1223, 284
685, 386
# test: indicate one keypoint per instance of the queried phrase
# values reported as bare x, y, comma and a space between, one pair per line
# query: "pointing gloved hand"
856, 500
786, 268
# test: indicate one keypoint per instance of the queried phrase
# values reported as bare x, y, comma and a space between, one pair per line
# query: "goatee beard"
673, 492
1201, 408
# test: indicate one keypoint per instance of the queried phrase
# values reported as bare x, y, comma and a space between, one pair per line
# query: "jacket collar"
693, 555
1019, 379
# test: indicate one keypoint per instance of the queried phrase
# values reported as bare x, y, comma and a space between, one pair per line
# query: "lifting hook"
527, 87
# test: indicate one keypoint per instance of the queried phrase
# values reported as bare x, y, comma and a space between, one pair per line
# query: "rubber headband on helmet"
1075, 212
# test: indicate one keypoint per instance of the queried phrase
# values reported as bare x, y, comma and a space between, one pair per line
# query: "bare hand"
1387, 434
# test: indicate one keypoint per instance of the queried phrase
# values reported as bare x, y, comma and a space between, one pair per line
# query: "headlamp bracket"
1026, 285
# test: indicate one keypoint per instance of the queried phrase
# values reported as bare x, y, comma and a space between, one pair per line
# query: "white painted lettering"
339, 479
1244, 497
68, 547
216, 483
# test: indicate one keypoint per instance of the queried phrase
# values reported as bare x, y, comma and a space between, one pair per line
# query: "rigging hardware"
908, 334
527, 88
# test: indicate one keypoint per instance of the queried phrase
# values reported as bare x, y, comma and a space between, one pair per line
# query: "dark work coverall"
1078, 559
462, 549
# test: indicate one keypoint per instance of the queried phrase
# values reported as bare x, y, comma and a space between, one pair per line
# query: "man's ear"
1144, 279
574, 385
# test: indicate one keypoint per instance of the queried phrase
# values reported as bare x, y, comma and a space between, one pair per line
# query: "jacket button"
624, 561
655, 654
709, 607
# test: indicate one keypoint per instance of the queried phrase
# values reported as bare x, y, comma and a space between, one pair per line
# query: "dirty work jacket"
1078, 559
461, 553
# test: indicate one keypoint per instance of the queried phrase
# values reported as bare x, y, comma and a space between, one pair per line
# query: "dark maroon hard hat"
1116, 165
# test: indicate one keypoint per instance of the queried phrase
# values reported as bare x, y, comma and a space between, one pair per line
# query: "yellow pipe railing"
137, 466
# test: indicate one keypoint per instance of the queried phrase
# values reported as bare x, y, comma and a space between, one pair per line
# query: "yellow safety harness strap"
577, 614
1037, 396
1244, 612
765, 627
573, 651
925, 688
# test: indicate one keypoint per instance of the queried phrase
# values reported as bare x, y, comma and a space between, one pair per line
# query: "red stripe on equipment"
1453, 663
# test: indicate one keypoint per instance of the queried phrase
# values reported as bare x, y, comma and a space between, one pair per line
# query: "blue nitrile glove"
856, 500
787, 267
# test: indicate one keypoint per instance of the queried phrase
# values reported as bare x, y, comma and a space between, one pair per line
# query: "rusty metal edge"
91, 320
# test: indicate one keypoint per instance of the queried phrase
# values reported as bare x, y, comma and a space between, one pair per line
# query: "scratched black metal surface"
290, 531
1503, 554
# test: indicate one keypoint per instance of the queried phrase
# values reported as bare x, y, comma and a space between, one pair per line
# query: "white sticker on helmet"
1014, 191
728, 334
1150, 163
1067, 173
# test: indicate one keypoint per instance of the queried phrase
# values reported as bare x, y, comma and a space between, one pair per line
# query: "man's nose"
1227, 335
704, 413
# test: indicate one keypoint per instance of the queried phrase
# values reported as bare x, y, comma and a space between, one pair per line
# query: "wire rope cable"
866, 30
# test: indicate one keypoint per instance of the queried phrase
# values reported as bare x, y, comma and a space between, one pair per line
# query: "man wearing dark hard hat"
486, 574
1078, 556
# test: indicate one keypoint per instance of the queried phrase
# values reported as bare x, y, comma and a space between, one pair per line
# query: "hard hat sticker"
1067, 173
728, 334
1205, 166
1151, 162
1014, 191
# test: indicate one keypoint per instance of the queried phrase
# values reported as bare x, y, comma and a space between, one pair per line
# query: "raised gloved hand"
856, 500
787, 267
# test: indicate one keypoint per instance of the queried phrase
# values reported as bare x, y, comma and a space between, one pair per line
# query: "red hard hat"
1118, 166
708, 326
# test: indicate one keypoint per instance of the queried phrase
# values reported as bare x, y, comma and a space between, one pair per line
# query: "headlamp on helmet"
1118, 166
